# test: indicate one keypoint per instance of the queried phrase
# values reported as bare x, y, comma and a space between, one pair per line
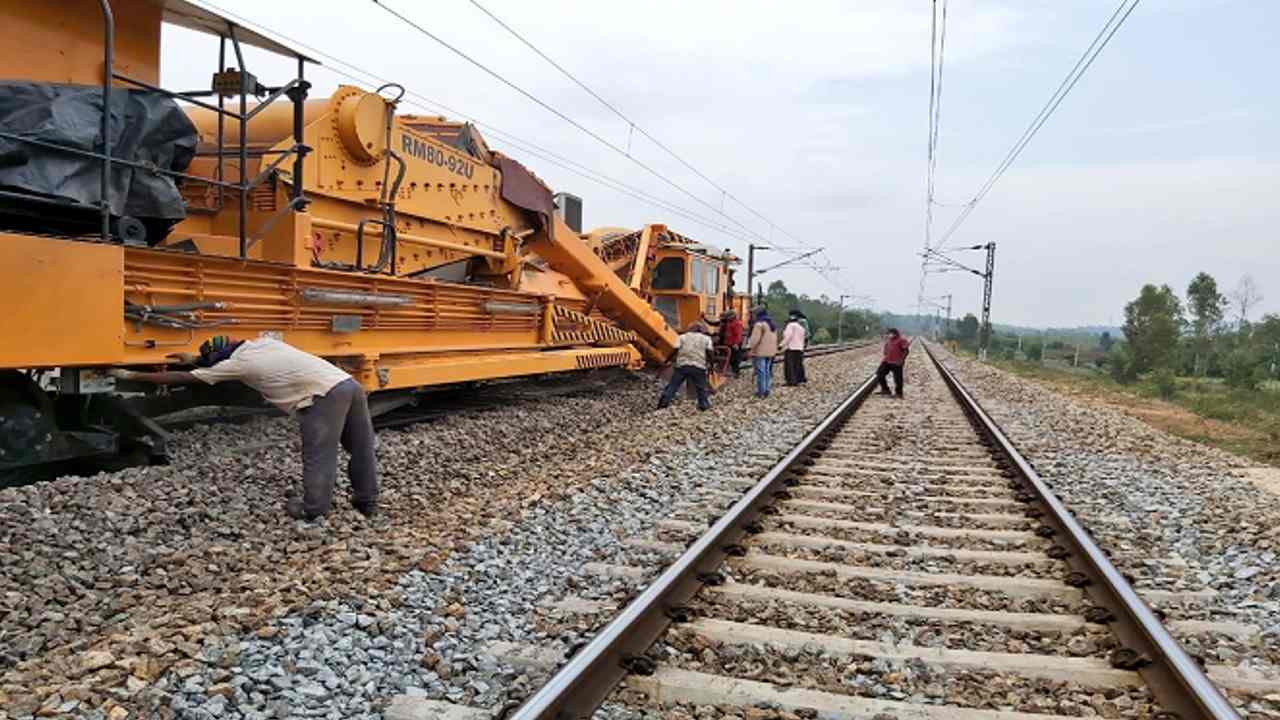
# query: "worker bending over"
694, 355
331, 405
896, 349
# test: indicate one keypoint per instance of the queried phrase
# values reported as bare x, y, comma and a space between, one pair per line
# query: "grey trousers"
339, 416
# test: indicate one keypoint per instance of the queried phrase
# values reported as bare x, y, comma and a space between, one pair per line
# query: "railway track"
443, 402
904, 560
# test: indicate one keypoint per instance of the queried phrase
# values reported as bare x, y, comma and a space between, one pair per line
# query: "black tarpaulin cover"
146, 127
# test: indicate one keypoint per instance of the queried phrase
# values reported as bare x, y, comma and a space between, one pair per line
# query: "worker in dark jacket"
896, 349
694, 355
331, 405
731, 337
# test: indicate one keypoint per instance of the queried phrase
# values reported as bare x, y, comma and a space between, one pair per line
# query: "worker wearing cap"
331, 406
694, 354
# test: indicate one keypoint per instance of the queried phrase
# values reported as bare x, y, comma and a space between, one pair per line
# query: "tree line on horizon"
1206, 334
824, 314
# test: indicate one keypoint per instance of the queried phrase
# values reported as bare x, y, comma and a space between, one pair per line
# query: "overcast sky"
1163, 161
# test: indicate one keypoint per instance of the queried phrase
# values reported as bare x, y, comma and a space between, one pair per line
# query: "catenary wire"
430, 105
560, 114
1082, 65
632, 124
740, 233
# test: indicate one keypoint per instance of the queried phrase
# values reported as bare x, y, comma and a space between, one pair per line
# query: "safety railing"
236, 84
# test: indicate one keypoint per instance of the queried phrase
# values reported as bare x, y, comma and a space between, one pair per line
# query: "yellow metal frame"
542, 300
67, 297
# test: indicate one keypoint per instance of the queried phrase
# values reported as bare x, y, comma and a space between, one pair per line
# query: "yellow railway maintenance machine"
399, 247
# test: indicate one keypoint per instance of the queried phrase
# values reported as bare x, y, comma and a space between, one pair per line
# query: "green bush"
1244, 370
1009, 354
821, 335
1034, 353
1122, 366
1166, 382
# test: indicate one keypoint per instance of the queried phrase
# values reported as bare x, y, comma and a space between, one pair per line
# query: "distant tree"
1266, 336
1152, 325
1207, 307
1120, 361
1165, 381
1106, 341
1033, 350
968, 329
1245, 369
1245, 296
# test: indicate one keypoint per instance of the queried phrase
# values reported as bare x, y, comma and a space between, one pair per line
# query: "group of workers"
695, 355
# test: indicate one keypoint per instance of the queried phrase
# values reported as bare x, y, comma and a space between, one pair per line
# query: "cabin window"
698, 276
713, 279
668, 274
669, 308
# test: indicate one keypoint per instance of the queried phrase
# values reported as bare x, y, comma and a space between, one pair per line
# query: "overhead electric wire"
597, 137
630, 123
937, 52
558, 113
528, 146
937, 56
1082, 65
741, 233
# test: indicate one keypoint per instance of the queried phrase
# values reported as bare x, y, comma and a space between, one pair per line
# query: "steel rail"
831, 348
591, 674
1175, 679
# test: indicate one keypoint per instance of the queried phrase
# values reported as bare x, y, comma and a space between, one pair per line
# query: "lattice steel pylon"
984, 337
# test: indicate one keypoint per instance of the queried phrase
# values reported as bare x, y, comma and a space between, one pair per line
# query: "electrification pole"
751, 271
784, 263
840, 320
985, 332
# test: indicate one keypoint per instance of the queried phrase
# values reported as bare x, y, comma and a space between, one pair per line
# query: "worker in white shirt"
331, 405
793, 341
693, 356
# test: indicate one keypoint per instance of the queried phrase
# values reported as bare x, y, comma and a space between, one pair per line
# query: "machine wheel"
28, 429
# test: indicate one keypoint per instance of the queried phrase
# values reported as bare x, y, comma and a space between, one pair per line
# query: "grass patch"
1205, 410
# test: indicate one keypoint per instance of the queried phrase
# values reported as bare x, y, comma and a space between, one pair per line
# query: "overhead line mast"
942, 263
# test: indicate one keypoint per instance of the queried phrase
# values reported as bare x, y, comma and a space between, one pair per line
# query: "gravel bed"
947, 519
907, 681
1148, 494
828, 583
950, 485
190, 595
921, 632
899, 560
903, 536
